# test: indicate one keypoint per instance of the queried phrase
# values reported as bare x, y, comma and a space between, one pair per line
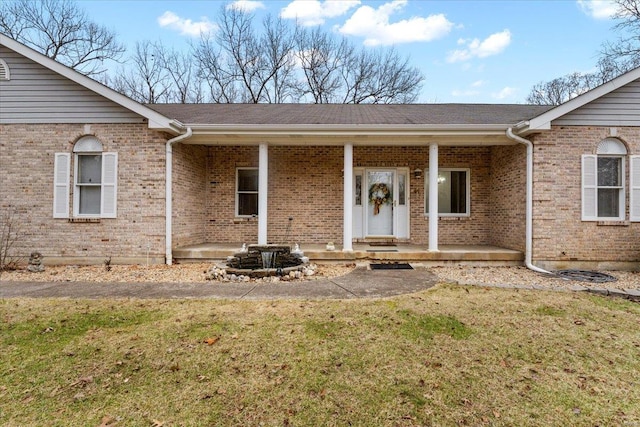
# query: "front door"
380, 202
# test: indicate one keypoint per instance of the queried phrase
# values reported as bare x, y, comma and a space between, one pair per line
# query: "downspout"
529, 209
169, 192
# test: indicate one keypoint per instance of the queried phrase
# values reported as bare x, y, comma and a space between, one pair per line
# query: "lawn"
444, 357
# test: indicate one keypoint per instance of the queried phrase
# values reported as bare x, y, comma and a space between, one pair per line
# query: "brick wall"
190, 201
451, 230
305, 184
26, 177
559, 233
508, 196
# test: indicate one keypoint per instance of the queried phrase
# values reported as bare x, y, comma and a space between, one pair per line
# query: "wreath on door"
379, 194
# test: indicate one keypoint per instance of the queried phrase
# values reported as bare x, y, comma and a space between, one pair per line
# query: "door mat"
391, 266
382, 244
382, 250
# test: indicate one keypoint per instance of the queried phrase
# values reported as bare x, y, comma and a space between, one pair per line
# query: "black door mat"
391, 266
382, 244
382, 250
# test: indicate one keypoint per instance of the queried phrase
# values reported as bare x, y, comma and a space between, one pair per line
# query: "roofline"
155, 119
543, 121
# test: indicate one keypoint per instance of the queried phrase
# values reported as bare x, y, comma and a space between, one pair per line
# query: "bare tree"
62, 31
558, 90
286, 64
322, 59
241, 66
145, 80
182, 73
623, 54
616, 58
380, 77
10, 235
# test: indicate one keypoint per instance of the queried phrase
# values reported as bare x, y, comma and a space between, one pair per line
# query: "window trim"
78, 185
237, 193
607, 148
89, 145
467, 214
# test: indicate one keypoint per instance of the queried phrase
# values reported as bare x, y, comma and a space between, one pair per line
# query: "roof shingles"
349, 114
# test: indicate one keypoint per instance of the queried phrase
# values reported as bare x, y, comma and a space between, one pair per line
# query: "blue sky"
469, 51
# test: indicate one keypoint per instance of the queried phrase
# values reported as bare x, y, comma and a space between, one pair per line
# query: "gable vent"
4, 70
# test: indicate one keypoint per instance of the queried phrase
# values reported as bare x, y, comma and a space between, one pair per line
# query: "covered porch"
351, 181
370, 251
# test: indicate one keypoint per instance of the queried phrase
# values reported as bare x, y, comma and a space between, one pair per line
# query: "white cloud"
478, 83
314, 12
374, 26
598, 9
506, 92
246, 5
185, 26
492, 45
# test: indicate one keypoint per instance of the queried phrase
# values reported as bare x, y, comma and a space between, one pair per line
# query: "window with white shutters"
95, 181
603, 182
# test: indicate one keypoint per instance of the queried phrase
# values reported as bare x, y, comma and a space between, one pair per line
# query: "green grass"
447, 356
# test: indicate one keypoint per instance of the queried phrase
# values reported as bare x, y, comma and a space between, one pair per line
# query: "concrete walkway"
360, 283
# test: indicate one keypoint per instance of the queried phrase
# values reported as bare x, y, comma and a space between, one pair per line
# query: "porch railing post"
263, 187
433, 197
347, 245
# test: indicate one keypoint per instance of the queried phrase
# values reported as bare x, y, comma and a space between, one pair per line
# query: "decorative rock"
35, 263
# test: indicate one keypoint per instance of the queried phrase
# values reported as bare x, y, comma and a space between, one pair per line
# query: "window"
453, 192
603, 182
95, 181
246, 192
358, 191
402, 189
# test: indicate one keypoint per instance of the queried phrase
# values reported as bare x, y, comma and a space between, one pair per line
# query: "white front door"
380, 202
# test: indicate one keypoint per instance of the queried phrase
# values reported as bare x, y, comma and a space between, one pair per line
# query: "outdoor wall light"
417, 173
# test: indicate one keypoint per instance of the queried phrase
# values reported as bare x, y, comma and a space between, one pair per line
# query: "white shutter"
61, 172
589, 187
109, 185
634, 189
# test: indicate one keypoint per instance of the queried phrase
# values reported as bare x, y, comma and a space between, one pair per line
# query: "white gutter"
529, 212
169, 193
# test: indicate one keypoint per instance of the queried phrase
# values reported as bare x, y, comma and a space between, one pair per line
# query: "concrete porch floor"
404, 252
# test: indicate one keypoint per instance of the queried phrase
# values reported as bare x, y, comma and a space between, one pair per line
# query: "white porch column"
433, 198
263, 188
347, 227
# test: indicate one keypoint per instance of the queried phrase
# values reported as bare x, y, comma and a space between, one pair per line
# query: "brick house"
89, 174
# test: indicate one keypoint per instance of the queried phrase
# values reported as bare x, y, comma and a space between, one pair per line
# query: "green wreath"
379, 194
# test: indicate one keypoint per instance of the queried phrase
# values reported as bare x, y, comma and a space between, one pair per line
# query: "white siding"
618, 108
36, 94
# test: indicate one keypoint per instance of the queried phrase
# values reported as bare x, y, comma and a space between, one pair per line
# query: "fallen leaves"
211, 341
